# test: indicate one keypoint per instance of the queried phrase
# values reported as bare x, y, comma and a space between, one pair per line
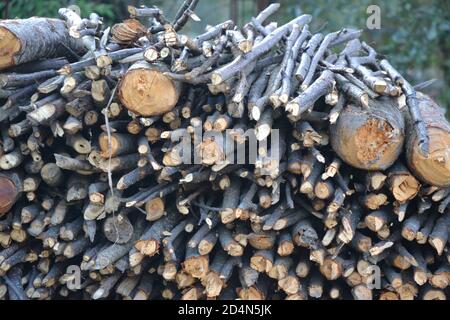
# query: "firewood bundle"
121, 173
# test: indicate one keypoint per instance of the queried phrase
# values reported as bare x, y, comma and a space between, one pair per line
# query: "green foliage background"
414, 34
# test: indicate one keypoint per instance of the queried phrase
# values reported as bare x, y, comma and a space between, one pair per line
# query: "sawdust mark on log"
372, 139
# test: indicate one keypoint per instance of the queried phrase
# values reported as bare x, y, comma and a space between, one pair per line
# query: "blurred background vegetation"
414, 34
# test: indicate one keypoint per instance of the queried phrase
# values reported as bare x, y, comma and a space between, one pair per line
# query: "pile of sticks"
121, 175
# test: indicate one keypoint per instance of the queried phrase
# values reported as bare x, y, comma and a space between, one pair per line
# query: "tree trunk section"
24, 40
369, 139
434, 169
146, 91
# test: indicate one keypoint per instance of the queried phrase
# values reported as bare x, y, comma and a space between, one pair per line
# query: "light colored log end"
148, 92
9, 47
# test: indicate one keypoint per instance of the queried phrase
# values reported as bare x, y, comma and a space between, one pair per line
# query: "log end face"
118, 231
404, 187
9, 47
211, 151
8, 194
331, 269
147, 247
148, 92
286, 249
261, 264
155, 209
378, 144
434, 169
245, 46
367, 142
198, 266
434, 294
213, 284
216, 79
290, 285
361, 292
251, 293
109, 147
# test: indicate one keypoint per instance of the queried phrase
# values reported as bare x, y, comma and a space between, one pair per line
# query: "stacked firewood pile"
117, 178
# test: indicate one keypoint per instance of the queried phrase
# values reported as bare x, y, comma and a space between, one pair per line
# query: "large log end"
24, 40
9, 47
434, 169
369, 139
146, 91
8, 194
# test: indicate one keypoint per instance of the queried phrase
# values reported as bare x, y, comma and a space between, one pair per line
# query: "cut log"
141, 87
9, 193
434, 168
369, 139
402, 183
34, 38
97, 181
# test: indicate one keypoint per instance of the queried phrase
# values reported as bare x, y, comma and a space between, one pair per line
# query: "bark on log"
435, 168
34, 38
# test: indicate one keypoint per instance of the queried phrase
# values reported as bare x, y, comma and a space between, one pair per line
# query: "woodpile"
121, 175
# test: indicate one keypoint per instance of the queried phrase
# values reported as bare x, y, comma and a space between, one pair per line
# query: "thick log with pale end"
32, 39
146, 91
9, 193
369, 139
434, 168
